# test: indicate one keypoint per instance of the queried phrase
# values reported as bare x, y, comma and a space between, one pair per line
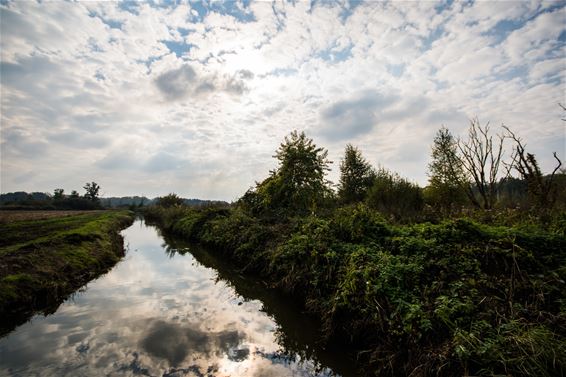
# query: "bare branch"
482, 159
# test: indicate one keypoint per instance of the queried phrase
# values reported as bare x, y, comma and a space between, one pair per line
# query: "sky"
148, 98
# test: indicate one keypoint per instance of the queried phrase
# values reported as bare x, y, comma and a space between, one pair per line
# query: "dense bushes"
170, 200
454, 297
484, 293
394, 195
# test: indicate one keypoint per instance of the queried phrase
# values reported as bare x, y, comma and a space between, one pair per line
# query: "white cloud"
178, 101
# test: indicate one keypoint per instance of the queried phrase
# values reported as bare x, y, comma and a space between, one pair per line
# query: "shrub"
395, 196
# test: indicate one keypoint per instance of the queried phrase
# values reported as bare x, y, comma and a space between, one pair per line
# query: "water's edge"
300, 332
172, 308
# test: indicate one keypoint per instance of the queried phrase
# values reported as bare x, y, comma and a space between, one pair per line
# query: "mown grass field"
13, 216
47, 255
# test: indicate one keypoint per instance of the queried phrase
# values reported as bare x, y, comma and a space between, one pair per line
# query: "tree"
74, 194
298, 184
92, 190
301, 172
446, 176
356, 176
170, 200
58, 194
540, 189
481, 159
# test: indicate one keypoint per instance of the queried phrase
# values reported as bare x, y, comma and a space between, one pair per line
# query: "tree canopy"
298, 184
356, 176
92, 190
446, 176
170, 200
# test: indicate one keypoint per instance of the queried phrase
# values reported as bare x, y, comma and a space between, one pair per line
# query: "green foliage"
238, 232
77, 203
263, 199
446, 174
385, 287
483, 294
542, 190
394, 195
298, 185
515, 347
356, 176
358, 224
170, 200
165, 217
58, 194
92, 191
453, 298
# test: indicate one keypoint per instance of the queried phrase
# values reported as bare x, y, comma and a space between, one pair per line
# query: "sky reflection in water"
153, 314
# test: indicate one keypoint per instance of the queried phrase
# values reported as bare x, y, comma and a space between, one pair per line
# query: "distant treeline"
140, 201
46, 201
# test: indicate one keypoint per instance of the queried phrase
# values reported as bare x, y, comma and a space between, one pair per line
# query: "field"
47, 255
12, 216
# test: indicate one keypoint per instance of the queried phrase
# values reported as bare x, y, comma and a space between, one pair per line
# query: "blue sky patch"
238, 10
443, 5
129, 6
149, 61
347, 11
113, 24
433, 36
178, 48
200, 8
503, 28
335, 56
396, 70
283, 72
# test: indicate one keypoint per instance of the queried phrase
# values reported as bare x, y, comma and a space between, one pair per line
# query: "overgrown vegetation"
298, 186
452, 281
43, 261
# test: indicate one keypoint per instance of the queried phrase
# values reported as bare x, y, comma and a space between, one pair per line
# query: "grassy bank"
453, 298
43, 259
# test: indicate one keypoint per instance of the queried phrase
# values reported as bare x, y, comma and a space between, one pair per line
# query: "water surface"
171, 309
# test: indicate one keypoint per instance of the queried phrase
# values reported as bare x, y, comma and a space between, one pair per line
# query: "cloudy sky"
195, 97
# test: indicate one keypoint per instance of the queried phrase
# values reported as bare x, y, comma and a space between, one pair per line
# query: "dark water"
171, 309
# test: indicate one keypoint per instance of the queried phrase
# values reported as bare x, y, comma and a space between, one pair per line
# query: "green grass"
23, 231
43, 261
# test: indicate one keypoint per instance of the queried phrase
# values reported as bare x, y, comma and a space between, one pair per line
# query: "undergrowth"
457, 297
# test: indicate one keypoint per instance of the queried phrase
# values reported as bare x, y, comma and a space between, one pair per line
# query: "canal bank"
46, 258
171, 308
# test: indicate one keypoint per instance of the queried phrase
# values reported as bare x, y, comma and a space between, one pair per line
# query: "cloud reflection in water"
155, 315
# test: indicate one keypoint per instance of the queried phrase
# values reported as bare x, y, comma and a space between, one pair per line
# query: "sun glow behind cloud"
193, 98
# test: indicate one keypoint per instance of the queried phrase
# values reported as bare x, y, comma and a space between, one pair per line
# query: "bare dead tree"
539, 188
481, 158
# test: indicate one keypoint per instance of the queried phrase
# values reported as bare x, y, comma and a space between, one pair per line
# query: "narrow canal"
171, 309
